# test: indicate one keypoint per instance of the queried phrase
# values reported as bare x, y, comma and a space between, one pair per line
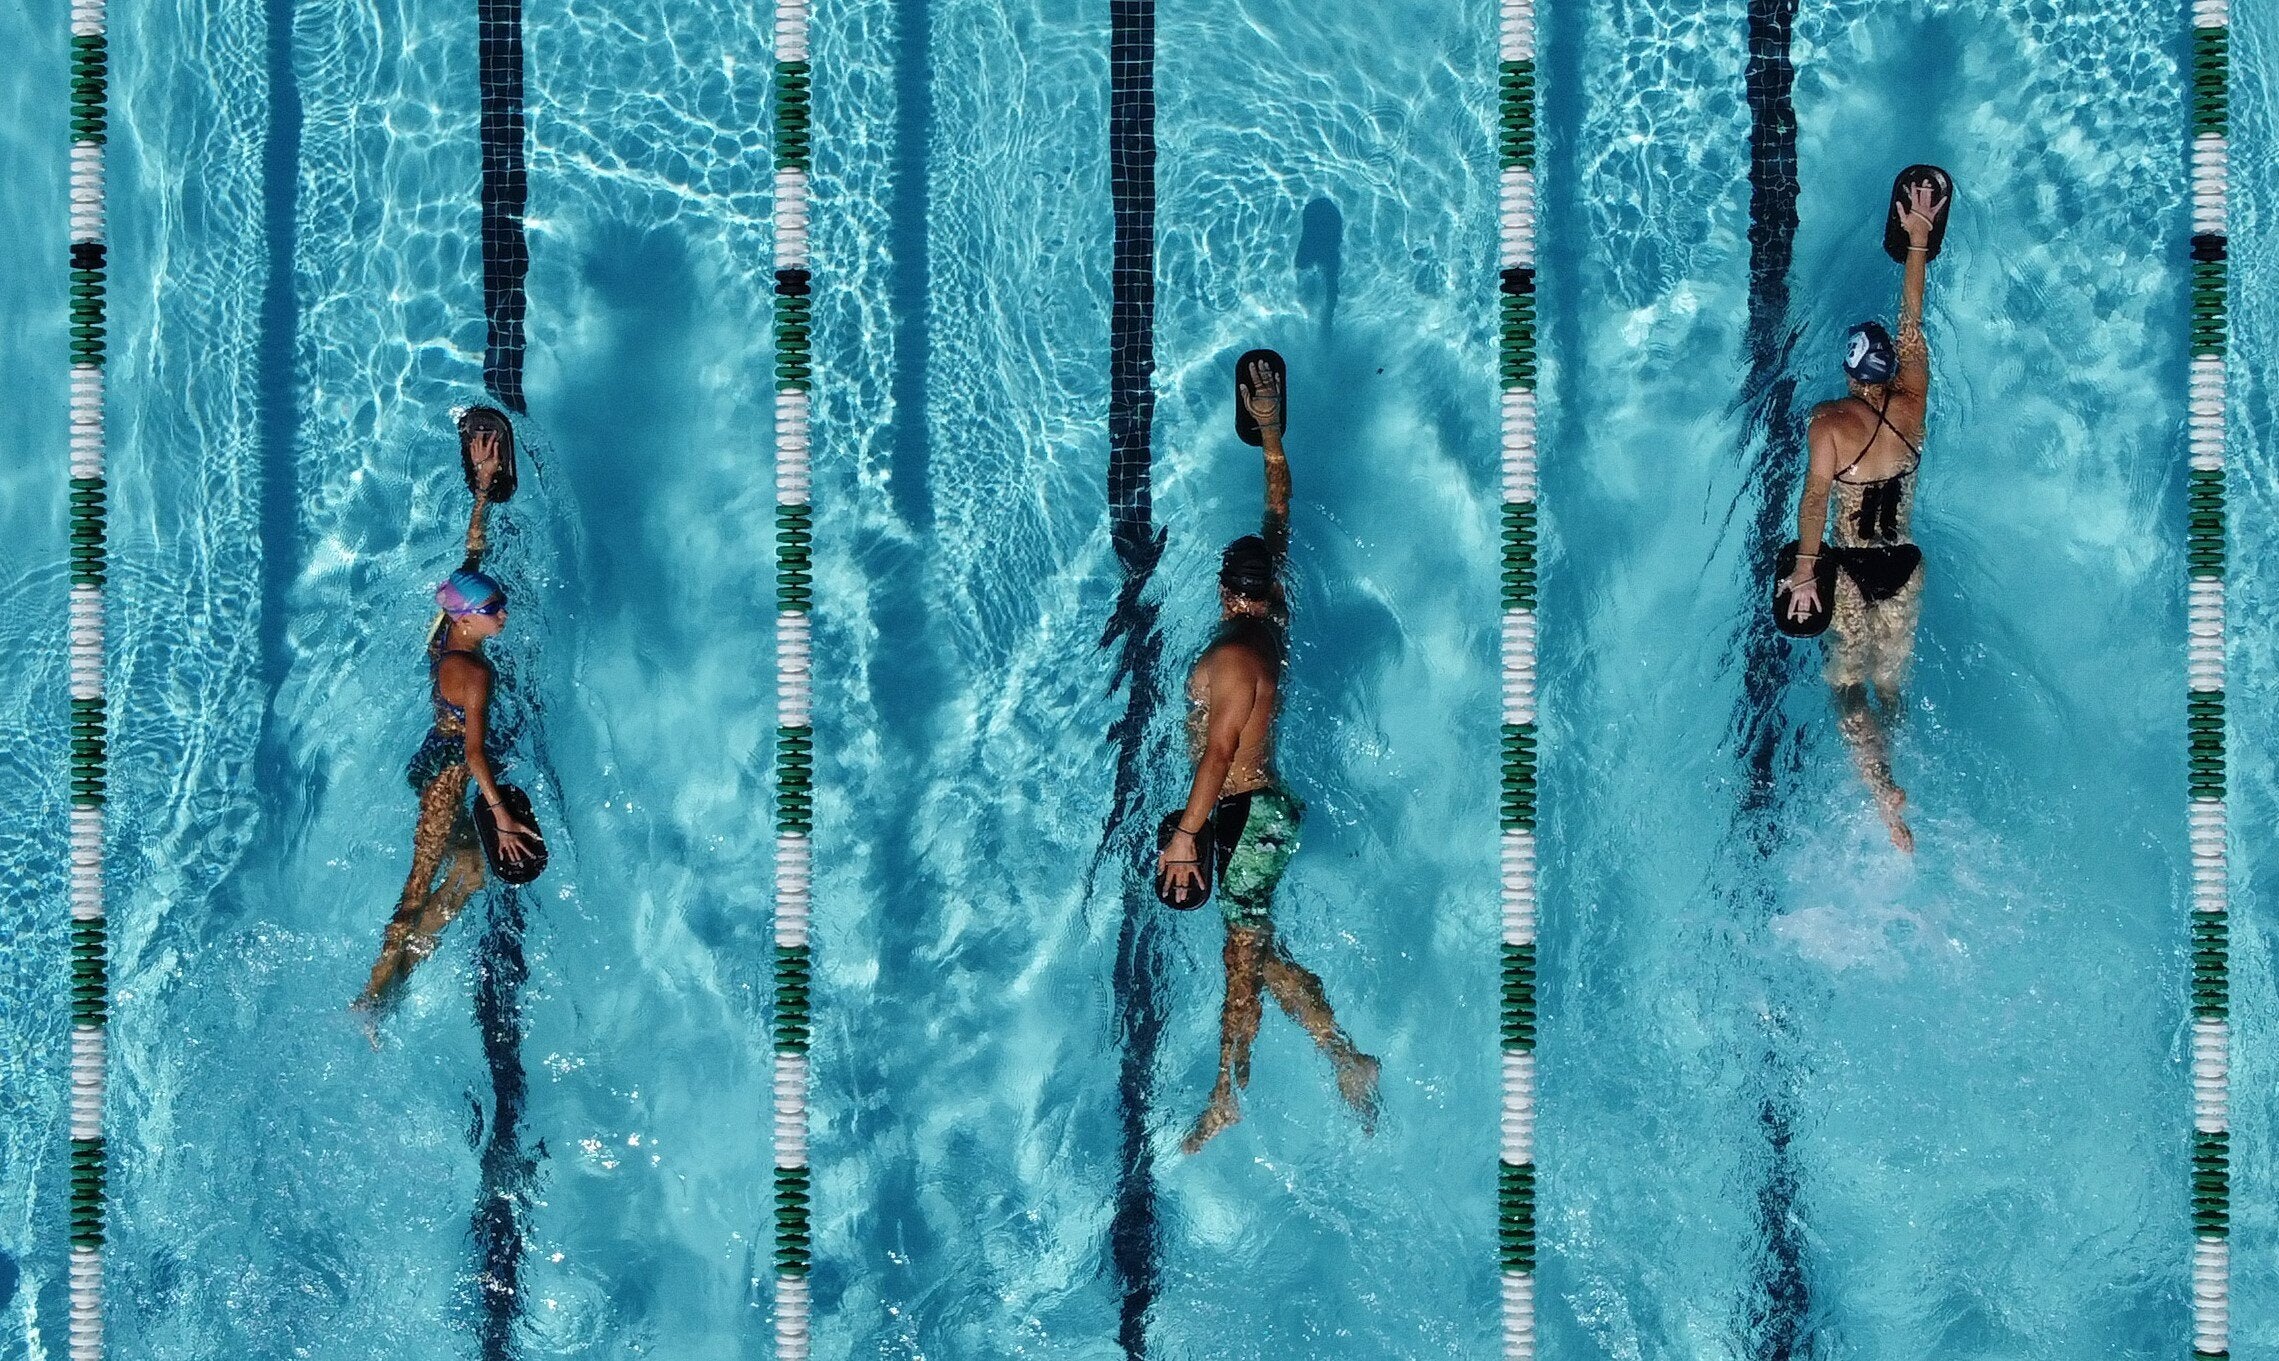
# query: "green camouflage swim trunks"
1257, 833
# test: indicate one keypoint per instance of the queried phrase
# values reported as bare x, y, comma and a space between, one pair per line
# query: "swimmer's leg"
1891, 627
466, 876
1299, 991
1238, 1027
431, 840
1851, 652
1847, 636
1871, 748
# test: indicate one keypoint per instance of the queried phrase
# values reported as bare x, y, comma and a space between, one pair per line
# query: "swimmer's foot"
366, 1009
1215, 1119
1357, 1083
1889, 802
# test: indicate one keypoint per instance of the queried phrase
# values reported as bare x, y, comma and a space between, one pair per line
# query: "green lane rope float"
2204, 671
90, 955
795, 732
1515, 217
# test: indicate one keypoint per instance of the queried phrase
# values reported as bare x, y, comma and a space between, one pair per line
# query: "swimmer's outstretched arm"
484, 449
477, 542
1265, 399
1277, 526
1819, 478
1916, 213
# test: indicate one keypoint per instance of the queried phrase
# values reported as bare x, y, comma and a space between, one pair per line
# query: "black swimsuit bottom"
1881, 571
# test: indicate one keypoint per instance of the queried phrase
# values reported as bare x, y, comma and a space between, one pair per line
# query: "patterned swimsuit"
445, 745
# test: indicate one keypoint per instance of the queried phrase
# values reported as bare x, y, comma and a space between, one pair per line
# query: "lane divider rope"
795, 732
2204, 671
89, 561
1515, 219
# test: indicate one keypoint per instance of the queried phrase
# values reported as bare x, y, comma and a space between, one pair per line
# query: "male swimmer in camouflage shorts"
1240, 806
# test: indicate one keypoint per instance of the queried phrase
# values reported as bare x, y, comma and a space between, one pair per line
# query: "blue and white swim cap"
1869, 355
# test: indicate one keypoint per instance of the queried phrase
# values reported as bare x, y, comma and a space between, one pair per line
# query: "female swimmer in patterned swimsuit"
459, 750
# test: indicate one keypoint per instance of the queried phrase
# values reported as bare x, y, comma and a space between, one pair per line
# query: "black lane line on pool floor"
1777, 1310
501, 967
279, 404
1139, 973
912, 484
506, 193
508, 1169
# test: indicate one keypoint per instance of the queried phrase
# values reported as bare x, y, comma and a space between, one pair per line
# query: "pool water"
1314, 196
514, 1173
2253, 601
1800, 1095
1804, 1095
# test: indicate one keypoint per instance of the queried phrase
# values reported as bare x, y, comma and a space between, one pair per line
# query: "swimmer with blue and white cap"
1864, 449
1237, 809
459, 750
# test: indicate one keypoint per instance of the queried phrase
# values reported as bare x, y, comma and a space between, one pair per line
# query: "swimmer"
458, 751
1865, 448
1236, 800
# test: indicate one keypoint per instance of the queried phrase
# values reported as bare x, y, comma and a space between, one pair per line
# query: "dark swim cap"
1869, 355
1247, 568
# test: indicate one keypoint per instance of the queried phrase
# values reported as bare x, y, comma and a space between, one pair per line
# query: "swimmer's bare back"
1848, 425
1235, 671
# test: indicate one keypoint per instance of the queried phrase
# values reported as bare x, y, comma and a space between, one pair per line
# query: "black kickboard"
1895, 235
477, 419
487, 829
1245, 426
1170, 896
1824, 575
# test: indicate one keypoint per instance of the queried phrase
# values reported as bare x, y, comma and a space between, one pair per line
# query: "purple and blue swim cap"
466, 592
1869, 355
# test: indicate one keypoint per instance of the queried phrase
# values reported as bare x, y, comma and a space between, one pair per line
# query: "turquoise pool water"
1799, 1096
1803, 1095
2254, 661
515, 1173
968, 1086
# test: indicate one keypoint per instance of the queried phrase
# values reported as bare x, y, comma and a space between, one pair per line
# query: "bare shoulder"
462, 673
1840, 414
1235, 661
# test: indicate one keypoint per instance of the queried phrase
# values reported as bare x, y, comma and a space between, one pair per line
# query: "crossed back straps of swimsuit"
1878, 518
1884, 421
